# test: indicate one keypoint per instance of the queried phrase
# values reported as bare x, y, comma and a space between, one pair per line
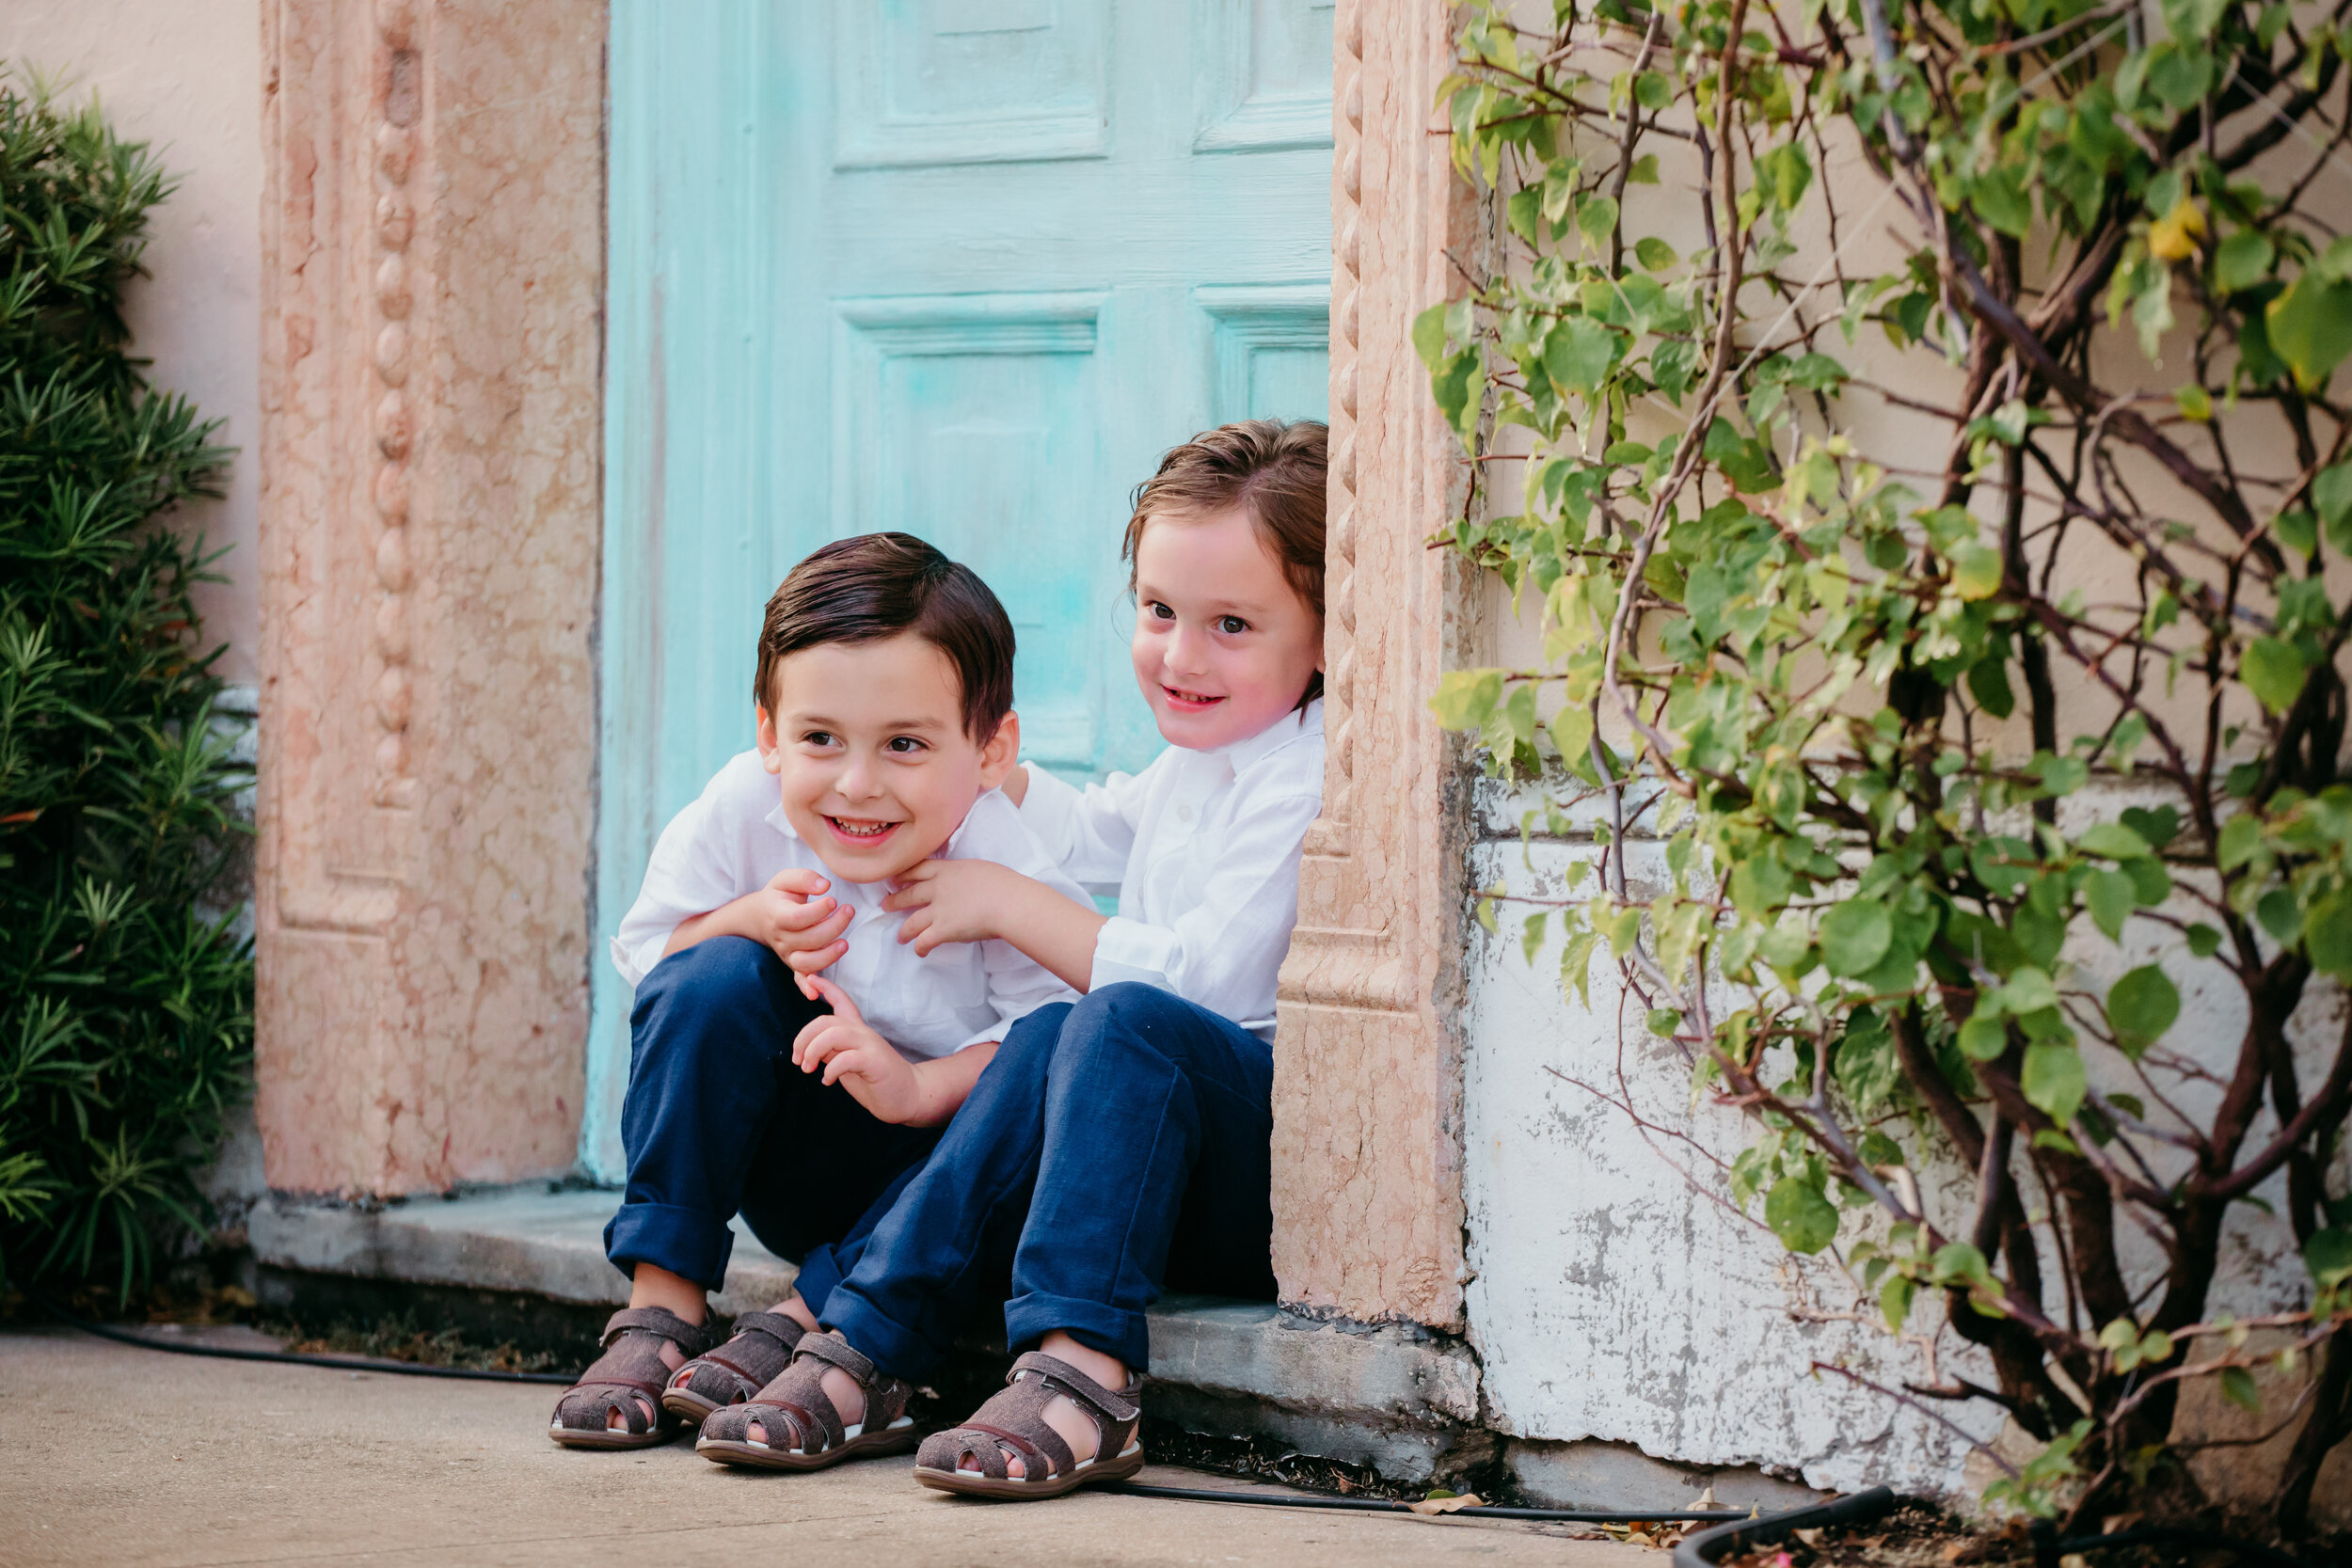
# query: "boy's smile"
872, 761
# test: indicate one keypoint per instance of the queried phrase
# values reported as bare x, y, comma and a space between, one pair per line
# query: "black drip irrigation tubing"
1739, 1530
1381, 1505
295, 1358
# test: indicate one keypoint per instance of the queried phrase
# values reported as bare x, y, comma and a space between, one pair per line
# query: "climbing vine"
1915, 434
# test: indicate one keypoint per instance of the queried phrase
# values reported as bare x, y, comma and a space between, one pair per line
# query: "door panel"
960, 267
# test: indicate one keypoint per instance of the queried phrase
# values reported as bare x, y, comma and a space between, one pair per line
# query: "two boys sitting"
824, 982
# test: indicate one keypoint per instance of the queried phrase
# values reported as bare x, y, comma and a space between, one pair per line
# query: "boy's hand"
851, 1055
954, 901
795, 916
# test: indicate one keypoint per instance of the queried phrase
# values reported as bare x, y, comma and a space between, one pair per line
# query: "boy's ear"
771, 749
1001, 752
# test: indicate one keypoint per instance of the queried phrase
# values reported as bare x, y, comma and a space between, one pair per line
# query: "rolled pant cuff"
1111, 1330
820, 1276
687, 1242
896, 1350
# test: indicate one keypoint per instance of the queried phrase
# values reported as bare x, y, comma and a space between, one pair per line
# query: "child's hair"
1274, 468
877, 585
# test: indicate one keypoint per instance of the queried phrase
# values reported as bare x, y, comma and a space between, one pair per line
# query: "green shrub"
126, 1013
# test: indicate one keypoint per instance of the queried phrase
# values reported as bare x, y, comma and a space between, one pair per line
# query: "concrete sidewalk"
125, 1456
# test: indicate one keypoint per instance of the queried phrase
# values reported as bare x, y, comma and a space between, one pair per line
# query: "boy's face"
1224, 645
868, 742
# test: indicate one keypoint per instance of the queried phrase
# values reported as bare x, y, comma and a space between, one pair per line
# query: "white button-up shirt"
734, 838
1205, 848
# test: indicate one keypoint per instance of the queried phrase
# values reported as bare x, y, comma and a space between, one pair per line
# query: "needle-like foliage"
126, 1011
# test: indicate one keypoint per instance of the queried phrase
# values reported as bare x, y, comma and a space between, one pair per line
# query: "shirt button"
1183, 813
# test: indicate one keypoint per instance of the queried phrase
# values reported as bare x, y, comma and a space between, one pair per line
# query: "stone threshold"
1402, 1401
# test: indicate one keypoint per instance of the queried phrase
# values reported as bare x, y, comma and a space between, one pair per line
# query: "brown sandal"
1015, 1419
761, 1349
795, 1402
631, 1366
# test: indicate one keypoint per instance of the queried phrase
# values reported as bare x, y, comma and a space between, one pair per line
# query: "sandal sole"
690, 1408
759, 1457
966, 1486
589, 1437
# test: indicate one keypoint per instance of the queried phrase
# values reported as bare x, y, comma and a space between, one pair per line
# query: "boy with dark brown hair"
791, 1060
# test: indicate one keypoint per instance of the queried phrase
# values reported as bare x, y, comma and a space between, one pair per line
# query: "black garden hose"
1381, 1505
292, 1358
1710, 1547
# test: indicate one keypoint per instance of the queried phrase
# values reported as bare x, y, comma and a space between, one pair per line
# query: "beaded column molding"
433, 277
1367, 1181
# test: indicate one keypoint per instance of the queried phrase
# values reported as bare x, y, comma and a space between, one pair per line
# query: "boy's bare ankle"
795, 1309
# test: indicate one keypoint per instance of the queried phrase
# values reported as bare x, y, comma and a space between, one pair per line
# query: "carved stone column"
1367, 1177
432, 279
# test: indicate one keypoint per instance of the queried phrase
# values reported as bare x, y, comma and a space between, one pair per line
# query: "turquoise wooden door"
960, 267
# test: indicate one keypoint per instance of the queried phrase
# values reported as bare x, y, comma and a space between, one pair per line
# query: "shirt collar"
1298, 721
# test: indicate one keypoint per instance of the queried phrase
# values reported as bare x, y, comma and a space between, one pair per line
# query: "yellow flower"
2173, 237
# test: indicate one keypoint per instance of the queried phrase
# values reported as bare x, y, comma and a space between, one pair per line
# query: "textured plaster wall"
1614, 1299
187, 77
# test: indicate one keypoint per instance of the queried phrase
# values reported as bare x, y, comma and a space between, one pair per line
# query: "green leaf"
2329, 1255
2112, 840
2327, 935
1988, 682
1572, 732
1854, 936
1653, 89
1429, 337
1983, 1039
1457, 385
2242, 260
2310, 328
2110, 896
2238, 1387
1654, 253
1664, 1022
2273, 671
2054, 1080
1579, 354
1803, 1219
1467, 698
1976, 570
1895, 1301
1531, 934
2141, 1006
1596, 216
2332, 493
2203, 941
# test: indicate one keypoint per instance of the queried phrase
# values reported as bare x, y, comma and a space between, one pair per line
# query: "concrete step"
1382, 1396
1392, 1396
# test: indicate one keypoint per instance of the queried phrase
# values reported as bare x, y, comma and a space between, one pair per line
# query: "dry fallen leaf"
1810, 1537
1432, 1507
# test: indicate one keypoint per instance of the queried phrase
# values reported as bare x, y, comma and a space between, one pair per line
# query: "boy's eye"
902, 744
1232, 626
1160, 612
816, 738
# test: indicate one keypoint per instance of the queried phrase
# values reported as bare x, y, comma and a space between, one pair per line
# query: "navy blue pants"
718, 1121
1111, 1147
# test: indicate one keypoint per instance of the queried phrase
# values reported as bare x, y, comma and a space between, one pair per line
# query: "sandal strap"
1111, 1409
1042, 1447
783, 1330
837, 1352
693, 1338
